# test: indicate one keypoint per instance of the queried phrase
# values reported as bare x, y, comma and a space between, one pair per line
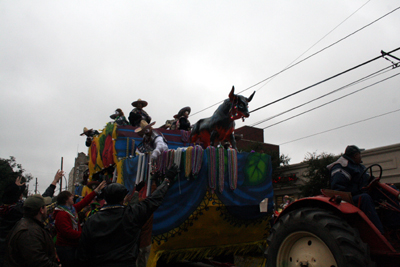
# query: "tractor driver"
345, 176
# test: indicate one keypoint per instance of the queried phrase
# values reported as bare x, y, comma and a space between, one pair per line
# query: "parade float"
221, 202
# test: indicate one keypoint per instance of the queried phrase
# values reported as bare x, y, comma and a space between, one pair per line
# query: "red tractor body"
329, 230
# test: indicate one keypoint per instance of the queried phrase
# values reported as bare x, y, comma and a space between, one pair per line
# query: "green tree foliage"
317, 175
9, 171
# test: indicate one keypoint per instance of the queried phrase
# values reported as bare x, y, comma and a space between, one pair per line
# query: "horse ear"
251, 97
231, 94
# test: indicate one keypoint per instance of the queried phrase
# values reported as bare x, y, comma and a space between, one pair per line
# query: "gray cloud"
69, 64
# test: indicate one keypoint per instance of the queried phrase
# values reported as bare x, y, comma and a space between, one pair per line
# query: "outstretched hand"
100, 186
128, 197
58, 177
139, 186
18, 181
172, 172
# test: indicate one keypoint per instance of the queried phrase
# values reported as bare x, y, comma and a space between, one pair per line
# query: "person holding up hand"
123, 226
67, 224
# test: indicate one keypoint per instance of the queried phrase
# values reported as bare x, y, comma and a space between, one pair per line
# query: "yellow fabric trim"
99, 160
188, 161
210, 234
119, 166
91, 164
114, 137
86, 191
202, 253
114, 133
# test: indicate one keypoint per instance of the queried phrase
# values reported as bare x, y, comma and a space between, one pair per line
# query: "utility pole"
61, 170
36, 186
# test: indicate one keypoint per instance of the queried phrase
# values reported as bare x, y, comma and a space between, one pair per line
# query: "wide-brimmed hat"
118, 112
85, 130
144, 126
182, 111
144, 103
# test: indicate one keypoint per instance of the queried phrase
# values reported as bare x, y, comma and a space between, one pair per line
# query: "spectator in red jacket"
68, 226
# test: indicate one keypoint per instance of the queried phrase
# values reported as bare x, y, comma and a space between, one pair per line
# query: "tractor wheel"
315, 237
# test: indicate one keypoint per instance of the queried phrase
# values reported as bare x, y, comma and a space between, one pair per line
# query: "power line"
325, 80
372, 75
331, 101
369, 24
303, 59
342, 126
317, 42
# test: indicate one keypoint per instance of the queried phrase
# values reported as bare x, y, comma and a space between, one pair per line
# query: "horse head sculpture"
220, 126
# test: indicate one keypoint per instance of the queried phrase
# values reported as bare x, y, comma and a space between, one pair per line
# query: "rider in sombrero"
182, 117
153, 141
119, 117
90, 133
137, 114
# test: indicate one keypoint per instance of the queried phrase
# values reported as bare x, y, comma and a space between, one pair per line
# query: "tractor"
329, 230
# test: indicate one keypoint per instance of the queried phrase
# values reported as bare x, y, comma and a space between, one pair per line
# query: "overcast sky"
65, 65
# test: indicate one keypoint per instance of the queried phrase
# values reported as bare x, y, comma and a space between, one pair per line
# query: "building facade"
76, 174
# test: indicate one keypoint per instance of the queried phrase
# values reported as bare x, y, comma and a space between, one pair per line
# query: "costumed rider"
153, 141
182, 117
119, 117
138, 114
89, 135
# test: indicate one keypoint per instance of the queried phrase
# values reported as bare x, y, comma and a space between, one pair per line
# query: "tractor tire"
315, 237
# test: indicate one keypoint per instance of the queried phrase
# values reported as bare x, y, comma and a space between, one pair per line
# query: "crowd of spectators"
109, 236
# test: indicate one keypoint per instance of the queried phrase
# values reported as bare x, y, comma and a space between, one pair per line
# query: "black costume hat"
182, 111
115, 193
118, 112
144, 103
352, 149
85, 130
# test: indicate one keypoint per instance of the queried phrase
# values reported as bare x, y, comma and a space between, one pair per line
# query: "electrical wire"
330, 102
369, 24
346, 125
365, 78
320, 82
316, 42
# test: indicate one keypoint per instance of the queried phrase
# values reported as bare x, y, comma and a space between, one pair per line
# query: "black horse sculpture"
220, 126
